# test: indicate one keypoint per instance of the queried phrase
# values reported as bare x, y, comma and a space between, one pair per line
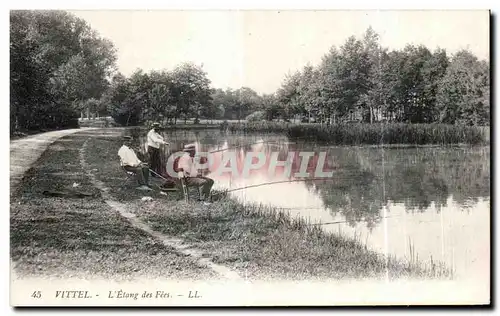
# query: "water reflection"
364, 178
436, 199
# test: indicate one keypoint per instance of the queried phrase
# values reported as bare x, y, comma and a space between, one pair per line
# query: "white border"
185, 4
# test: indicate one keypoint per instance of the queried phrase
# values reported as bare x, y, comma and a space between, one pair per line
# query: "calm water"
435, 201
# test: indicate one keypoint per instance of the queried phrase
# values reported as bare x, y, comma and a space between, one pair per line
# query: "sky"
257, 49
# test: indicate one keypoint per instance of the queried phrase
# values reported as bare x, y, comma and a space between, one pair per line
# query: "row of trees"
57, 63
160, 95
60, 68
359, 81
364, 81
239, 104
182, 93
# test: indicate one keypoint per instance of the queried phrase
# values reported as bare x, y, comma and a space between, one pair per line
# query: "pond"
425, 202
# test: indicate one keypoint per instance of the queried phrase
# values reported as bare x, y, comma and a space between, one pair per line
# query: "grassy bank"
81, 236
258, 242
381, 133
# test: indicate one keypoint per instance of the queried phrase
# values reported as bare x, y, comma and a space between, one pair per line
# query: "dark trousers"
154, 159
141, 173
204, 185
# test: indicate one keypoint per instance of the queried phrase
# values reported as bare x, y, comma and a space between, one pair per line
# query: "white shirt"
154, 139
186, 162
128, 157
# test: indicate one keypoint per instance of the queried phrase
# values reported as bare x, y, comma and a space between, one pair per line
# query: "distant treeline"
61, 68
363, 81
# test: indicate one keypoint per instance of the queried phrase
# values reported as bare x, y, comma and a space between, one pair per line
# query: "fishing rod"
159, 175
183, 185
275, 182
270, 142
294, 141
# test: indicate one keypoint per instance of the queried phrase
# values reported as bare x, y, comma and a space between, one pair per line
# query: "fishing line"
361, 220
275, 182
269, 142
219, 150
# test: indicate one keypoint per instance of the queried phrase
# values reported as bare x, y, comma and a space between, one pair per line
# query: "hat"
189, 147
155, 124
127, 138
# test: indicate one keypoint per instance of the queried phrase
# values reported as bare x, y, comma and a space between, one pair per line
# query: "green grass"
259, 242
381, 133
263, 243
81, 237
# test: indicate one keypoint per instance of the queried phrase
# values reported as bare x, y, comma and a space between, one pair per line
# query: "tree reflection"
416, 178
365, 179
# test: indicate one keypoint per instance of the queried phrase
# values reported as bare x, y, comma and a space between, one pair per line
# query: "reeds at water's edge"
380, 133
398, 267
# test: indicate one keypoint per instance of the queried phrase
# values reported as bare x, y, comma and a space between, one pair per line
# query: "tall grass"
258, 240
405, 267
380, 133
273, 244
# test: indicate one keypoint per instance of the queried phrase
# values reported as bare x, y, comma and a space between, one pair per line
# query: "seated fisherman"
193, 176
130, 162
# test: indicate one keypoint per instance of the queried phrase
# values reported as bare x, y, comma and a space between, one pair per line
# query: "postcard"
249, 158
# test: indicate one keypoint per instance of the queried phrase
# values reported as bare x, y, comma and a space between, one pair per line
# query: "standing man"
154, 141
130, 162
194, 176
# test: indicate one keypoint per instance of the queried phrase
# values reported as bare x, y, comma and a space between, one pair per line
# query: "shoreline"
272, 248
372, 134
482, 140
259, 243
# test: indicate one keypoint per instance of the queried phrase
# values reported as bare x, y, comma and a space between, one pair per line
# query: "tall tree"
246, 101
159, 97
415, 110
353, 75
57, 62
375, 95
463, 92
309, 92
270, 106
222, 101
329, 84
288, 95
124, 104
191, 91
432, 71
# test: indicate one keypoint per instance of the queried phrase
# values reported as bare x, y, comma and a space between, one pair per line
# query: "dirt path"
178, 244
24, 152
79, 237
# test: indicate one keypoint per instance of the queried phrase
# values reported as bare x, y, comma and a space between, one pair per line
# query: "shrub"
256, 116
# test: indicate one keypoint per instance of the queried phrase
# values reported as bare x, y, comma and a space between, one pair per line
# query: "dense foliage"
160, 95
57, 64
61, 69
362, 81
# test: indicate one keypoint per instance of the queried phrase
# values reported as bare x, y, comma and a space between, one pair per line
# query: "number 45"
36, 294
